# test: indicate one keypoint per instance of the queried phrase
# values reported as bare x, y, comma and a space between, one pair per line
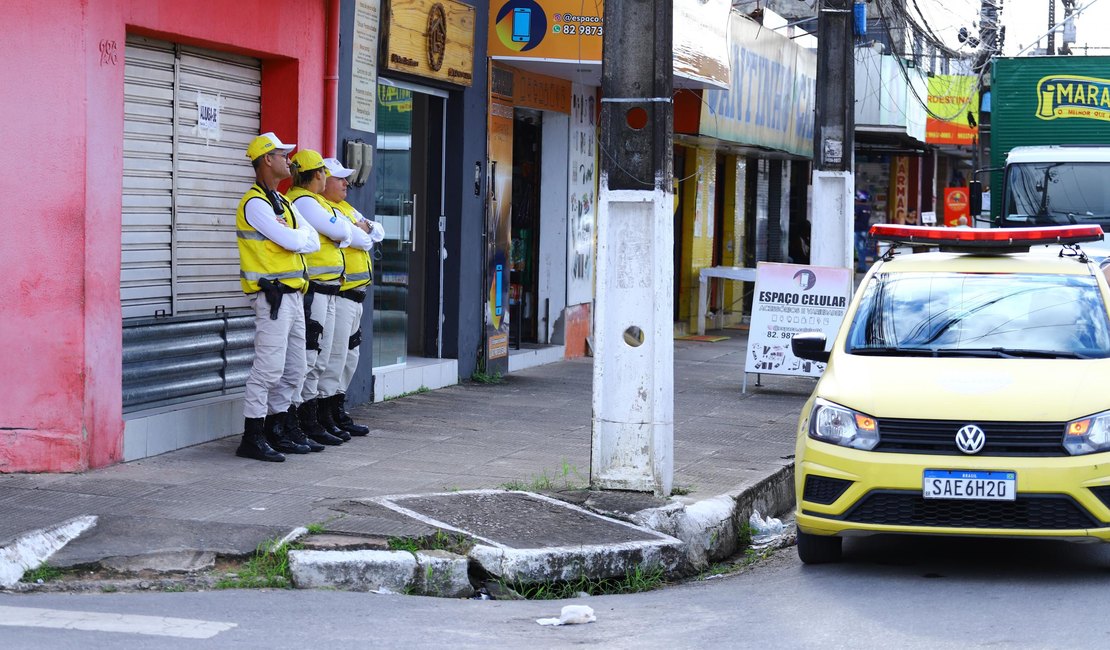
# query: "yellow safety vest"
359, 270
326, 263
261, 258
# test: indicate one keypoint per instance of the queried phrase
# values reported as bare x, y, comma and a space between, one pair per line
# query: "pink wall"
61, 124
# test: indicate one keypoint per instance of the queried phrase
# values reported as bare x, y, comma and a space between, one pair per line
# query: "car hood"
1038, 390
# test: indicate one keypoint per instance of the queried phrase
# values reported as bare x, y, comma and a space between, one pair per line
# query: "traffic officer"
348, 309
325, 273
273, 239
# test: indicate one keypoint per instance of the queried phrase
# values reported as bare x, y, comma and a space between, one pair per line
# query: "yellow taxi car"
967, 393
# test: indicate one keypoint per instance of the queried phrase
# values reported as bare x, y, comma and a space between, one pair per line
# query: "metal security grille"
182, 183
184, 333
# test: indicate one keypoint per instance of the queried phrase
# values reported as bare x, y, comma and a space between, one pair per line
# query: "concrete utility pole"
1050, 48
633, 382
834, 140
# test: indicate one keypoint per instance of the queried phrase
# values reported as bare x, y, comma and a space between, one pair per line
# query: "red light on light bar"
986, 237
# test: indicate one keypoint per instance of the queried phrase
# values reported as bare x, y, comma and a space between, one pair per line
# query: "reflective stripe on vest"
261, 258
359, 267
326, 263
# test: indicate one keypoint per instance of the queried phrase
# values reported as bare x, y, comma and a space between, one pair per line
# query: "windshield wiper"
1008, 353
892, 351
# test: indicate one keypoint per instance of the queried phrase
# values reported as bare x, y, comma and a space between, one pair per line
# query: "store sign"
364, 65
531, 90
701, 41
953, 99
791, 299
565, 30
771, 100
957, 207
1066, 95
899, 203
432, 39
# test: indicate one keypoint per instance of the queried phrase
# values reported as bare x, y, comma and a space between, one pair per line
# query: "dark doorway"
525, 251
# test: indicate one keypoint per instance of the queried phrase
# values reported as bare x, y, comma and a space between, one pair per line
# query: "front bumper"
876, 492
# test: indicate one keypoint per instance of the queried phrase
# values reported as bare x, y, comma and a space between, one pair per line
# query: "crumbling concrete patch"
31, 549
710, 528
443, 574
533, 566
186, 561
354, 570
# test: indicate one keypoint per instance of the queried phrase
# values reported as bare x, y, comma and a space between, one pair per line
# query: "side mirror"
975, 198
811, 346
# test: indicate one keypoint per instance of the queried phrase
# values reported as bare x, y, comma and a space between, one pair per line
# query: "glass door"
394, 207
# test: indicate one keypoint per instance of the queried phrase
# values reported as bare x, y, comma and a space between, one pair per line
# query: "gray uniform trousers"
279, 356
343, 361
322, 311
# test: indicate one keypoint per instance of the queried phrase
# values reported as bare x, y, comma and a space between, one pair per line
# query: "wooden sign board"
431, 38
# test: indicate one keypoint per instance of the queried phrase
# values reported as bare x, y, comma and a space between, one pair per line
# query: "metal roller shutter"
181, 184
211, 176
146, 265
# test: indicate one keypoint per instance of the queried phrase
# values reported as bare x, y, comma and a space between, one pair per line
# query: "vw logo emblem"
970, 439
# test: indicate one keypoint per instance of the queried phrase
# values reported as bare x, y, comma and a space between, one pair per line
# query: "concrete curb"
429, 573
710, 528
31, 549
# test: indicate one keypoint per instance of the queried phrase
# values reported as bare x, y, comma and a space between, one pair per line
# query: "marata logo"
1064, 96
437, 36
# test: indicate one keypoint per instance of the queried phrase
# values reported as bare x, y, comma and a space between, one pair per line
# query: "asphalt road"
889, 593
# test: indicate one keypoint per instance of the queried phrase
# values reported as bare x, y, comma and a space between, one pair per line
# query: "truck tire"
819, 549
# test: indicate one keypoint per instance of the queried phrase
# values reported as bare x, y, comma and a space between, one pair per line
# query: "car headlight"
1088, 435
840, 426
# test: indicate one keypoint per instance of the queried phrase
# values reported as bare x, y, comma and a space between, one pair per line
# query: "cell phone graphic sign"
561, 30
791, 299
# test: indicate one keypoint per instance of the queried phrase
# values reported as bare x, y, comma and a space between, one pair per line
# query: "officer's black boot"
254, 443
294, 433
306, 413
275, 435
341, 417
323, 416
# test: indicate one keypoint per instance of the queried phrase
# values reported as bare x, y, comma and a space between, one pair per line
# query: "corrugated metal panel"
1014, 103
145, 269
211, 176
171, 360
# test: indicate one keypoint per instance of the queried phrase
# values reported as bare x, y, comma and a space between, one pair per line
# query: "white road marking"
186, 628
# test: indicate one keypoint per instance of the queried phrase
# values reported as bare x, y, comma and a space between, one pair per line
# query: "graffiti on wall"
581, 195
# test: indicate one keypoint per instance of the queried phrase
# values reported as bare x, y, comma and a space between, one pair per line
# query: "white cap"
336, 168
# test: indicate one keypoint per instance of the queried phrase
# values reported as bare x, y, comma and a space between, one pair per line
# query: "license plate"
961, 484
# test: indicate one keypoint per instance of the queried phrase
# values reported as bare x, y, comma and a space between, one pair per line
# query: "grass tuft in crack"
634, 581
268, 568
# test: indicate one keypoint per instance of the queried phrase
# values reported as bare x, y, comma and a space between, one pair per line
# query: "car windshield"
1006, 315
1055, 193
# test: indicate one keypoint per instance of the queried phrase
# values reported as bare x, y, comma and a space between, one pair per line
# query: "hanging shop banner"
791, 299
771, 101
364, 65
532, 90
498, 231
559, 30
954, 100
431, 38
582, 202
701, 41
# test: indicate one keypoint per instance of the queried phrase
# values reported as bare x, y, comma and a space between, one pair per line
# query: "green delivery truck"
1050, 141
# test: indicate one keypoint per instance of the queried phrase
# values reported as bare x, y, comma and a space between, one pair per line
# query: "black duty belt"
274, 292
357, 295
320, 287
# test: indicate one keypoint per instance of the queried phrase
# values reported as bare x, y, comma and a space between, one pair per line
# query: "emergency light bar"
994, 238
